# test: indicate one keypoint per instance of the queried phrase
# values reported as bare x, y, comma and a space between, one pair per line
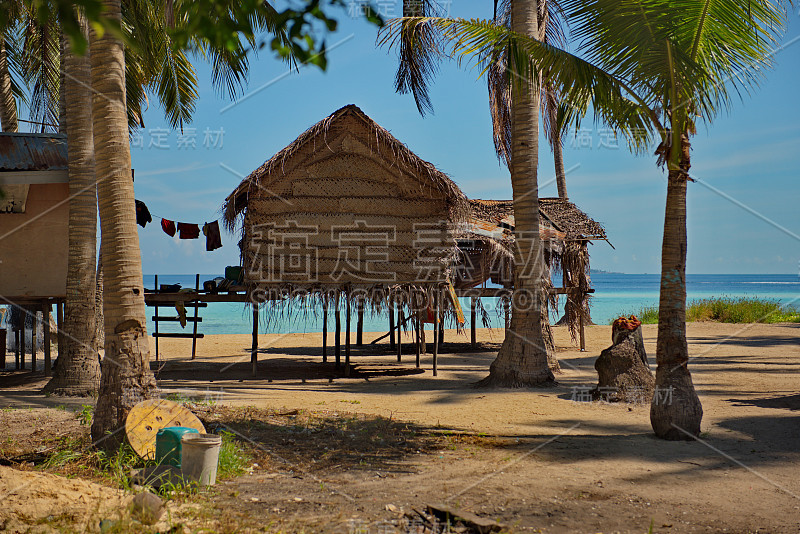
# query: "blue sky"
749, 158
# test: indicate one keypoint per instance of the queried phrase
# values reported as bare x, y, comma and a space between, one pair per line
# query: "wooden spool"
148, 417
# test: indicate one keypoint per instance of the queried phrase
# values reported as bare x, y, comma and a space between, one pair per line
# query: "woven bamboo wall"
344, 209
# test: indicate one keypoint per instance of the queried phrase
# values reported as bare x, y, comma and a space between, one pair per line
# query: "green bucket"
168, 444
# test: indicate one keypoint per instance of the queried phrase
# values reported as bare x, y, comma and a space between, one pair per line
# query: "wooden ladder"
194, 336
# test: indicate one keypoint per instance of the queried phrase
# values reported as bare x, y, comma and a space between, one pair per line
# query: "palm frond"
40, 67
418, 55
578, 81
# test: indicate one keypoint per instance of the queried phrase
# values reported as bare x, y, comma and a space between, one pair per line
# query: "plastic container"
168, 444
199, 457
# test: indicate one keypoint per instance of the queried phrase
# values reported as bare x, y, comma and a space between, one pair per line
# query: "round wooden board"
148, 417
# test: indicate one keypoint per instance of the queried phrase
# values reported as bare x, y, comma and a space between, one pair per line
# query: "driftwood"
448, 515
622, 369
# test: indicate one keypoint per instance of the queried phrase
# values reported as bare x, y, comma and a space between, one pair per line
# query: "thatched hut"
346, 211
346, 204
487, 248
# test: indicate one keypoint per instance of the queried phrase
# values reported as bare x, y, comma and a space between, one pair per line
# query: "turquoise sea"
615, 294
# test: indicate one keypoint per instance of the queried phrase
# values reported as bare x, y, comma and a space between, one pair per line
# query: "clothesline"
184, 230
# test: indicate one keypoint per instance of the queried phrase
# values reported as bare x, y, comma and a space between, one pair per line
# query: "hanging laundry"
188, 231
213, 238
142, 214
168, 227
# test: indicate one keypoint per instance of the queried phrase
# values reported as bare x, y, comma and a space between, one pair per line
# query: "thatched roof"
562, 214
236, 202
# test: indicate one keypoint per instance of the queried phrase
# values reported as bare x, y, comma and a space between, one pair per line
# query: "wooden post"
399, 333
324, 328
338, 351
347, 337
23, 341
436, 328
196, 311
34, 328
3, 335
46, 326
17, 343
473, 320
441, 325
583, 334
254, 350
507, 310
416, 334
391, 324
155, 319
59, 323
360, 323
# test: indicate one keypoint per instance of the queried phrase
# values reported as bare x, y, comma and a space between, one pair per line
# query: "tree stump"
622, 369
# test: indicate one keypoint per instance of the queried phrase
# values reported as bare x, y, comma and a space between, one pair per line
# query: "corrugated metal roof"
33, 152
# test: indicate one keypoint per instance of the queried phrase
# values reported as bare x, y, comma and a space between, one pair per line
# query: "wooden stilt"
347, 337
399, 333
441, 326
254, 349
391, 324
338, 350
436, 328
473, 322
416, 335
23, 341
507, 309
196, 311
17, 344
59, 322
155, 318
583, 334
360, 323
325, 328
46, 340
34, 329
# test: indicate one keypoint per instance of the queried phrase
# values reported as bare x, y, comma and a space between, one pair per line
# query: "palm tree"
527, 355
126, 378
523, 357
78, 370
650, 69
8, 103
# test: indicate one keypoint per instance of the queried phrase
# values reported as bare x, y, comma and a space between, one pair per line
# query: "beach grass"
730, 310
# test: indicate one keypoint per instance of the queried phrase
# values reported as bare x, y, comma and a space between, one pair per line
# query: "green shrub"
730, 310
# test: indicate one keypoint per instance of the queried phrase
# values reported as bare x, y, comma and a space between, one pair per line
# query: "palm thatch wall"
346, 206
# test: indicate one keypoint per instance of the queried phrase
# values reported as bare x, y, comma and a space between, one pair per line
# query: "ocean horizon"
615, 294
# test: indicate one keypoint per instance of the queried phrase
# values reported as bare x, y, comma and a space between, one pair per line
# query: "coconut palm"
126, 378
527, 356
651, 69
78, 369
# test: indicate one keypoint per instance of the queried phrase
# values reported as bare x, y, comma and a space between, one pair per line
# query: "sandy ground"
570, 466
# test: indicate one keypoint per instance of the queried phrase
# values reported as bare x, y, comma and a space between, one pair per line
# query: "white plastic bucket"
199, 457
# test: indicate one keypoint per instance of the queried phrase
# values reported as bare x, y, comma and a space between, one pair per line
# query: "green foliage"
730, 310
86, 414
222, 25
233, 459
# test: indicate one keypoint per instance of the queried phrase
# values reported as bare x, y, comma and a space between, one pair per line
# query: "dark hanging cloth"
213, 238
188, 231
142, 214
168, 227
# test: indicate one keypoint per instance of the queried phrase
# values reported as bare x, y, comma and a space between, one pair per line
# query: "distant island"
601, 271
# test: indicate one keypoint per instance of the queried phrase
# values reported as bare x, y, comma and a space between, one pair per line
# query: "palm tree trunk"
676, 412
126, 378
8, 105
78, 370
523, 358
556, 143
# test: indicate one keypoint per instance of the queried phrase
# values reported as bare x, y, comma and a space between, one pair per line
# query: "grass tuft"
730, 310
